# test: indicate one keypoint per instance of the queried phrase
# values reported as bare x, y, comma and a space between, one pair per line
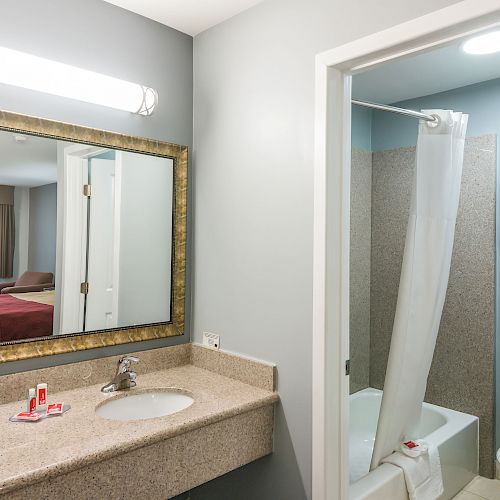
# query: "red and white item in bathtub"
413, 448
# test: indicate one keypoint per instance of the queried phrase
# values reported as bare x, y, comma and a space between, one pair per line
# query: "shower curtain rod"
401, 111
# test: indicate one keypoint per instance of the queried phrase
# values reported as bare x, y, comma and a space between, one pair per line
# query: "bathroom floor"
480, 488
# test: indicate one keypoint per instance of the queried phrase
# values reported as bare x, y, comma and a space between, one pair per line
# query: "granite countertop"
33, 451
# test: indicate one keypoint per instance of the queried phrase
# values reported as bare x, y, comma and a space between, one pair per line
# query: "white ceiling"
30, 164
443, 69
189, 16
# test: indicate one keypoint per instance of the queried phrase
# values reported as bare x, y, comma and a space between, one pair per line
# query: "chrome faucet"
124, 378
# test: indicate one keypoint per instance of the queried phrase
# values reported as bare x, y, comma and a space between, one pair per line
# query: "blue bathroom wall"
108, 155
481, 101
389, 131
361, 128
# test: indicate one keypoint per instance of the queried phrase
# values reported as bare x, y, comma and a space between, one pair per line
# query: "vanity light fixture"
43, 75
488, 43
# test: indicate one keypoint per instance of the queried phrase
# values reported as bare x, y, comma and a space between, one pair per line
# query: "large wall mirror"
92, 238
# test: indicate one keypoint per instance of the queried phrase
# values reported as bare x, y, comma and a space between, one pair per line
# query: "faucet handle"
124, 363
135, 359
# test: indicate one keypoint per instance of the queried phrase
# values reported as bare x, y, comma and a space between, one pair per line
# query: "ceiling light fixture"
43, 75
488, 43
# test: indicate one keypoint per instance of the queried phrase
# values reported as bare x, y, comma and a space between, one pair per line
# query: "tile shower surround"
359, 299
462, 372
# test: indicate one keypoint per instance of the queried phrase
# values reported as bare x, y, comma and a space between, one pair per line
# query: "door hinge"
348, 367
84, 288
87, 190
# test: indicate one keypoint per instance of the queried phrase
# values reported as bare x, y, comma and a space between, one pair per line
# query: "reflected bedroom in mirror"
77, 226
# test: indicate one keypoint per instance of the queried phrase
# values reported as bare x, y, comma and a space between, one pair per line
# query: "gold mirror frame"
46, 346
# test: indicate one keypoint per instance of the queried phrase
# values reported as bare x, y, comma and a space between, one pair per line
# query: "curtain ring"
435, 123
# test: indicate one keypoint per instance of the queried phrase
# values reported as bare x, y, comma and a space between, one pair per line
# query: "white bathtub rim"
385, 476
457, 419
388, 476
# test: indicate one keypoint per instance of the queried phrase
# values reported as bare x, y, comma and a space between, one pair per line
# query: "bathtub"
454, 433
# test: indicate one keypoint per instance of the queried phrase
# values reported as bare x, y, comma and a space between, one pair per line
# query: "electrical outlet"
211, 340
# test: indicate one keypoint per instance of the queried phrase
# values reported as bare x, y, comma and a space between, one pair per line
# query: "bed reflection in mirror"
85, 238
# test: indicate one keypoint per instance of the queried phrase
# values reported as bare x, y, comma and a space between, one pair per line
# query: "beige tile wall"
361, 187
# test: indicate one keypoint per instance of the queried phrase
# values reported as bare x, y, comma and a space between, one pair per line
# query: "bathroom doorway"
335, 70
405, 294
92, 181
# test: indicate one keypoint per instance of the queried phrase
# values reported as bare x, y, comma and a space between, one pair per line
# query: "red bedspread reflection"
22, 319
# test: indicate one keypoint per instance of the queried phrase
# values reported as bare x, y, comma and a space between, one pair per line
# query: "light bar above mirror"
43, 75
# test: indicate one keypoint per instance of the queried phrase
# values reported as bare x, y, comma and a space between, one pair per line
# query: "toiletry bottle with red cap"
41, 397
31, 403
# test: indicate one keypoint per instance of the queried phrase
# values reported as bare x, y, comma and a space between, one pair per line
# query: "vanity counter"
33, 452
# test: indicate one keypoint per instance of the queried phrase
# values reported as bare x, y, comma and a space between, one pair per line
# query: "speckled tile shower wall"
462, 373
361, 187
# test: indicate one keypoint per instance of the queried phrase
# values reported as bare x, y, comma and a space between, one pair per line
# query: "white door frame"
74, 224
330, 455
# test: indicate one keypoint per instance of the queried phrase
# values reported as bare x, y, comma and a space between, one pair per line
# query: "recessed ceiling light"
483, 44
51, 77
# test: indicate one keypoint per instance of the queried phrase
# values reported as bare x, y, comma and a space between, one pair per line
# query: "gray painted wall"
462, 372
254, 115
359, 276
98, 36
43, 229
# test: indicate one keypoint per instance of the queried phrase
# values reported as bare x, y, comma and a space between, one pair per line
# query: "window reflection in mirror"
85, 238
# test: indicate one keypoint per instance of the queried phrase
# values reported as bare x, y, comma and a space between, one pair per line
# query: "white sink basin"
144, 405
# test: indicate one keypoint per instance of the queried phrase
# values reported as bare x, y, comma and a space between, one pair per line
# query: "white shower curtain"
424, 278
